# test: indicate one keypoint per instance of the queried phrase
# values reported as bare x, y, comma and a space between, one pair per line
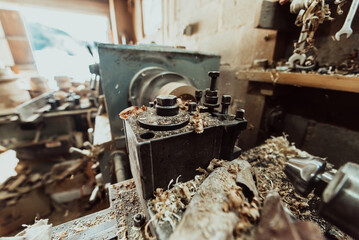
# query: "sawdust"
133, 111
169, 205
125, 206
206, 119
268, 161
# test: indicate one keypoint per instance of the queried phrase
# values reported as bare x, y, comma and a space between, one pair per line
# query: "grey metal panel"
119, 63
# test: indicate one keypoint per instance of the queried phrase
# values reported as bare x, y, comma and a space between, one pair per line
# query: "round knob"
226, 101
167, 105
192, 107
166, 100
138, 220
240, 114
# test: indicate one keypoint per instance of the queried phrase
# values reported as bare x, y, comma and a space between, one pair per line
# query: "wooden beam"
97, 7
314, 80
123, 20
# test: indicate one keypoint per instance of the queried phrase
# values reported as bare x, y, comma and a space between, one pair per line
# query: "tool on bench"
338, 189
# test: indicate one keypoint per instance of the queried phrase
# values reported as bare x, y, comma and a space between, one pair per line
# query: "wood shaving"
133, 111
198, 123
268, 161
183, 105
316, 13
169, 205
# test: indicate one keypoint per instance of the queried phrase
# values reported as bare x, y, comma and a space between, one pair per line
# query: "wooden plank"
12, 23
332, 82
102, 132
124, 21
21, 51
98, 7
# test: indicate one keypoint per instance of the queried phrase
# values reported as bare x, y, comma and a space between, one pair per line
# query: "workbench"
348, 83
261, 83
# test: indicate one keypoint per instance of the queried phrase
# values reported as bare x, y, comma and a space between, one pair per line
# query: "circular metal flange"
150, 120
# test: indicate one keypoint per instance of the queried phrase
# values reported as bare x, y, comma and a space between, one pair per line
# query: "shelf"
314, 80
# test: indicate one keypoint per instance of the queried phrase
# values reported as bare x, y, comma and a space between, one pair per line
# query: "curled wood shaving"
340, 4
268, 161
198, 123
316, 13
133, 111
182, 104
215, 163
167, 205
247, 210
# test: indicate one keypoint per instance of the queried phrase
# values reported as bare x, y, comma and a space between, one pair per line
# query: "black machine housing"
171, 149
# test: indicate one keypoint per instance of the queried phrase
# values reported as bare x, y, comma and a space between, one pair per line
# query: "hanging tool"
347, 29
298, 54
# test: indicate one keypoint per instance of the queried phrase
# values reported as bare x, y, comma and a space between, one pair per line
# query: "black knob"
77, 100
226, 101
58, 102
214, 75
192, 107
167, 105
138, 220
151, 104
52, 103
166, 100
198, 95
240, 114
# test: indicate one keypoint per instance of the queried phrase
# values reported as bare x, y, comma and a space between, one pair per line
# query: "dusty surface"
208, 121
125, 204
227, 193
267, 163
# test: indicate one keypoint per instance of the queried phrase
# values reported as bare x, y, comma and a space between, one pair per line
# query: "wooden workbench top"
315, 80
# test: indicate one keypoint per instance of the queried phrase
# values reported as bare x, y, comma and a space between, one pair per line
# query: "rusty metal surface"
113, 222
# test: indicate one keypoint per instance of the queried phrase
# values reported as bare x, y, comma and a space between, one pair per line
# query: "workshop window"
60, 41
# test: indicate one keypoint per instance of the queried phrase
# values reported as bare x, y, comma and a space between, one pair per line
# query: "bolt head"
166, 100
139, 219
226, 99
213, 74
240, 113
211, 93
192, 106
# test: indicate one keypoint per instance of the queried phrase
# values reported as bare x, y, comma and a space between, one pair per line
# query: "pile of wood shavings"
169, 205
267, 163
248, 211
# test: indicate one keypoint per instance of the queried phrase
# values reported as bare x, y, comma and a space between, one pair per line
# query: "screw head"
213, 74
166, 100
139, 219
192, 106
240, 113
226, 99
